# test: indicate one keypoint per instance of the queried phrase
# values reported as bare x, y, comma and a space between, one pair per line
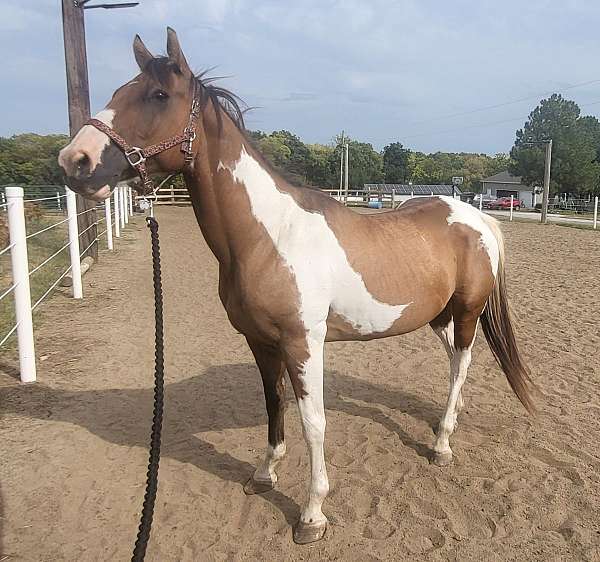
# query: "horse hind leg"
458, 335
272, 370
443, 327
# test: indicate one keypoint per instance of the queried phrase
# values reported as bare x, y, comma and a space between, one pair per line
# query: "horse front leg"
304, 360
272, 370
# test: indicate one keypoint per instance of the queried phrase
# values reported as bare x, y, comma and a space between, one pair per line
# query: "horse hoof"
442, 459
257, 486
305, 533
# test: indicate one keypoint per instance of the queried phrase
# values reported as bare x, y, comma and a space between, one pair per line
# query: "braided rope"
154, 457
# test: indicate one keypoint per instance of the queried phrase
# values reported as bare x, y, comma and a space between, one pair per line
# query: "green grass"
39, 248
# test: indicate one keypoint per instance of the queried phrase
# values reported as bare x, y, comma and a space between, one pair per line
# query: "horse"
296, 267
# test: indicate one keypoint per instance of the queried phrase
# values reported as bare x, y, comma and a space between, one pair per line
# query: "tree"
320, 170
396, 163
275, 151
575, 144
365, 165
31, 159
299, 156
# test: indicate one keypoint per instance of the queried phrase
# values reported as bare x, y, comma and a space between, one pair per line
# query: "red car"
503, 203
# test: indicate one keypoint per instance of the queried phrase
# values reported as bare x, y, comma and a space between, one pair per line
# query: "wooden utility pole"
79, 107
546, 195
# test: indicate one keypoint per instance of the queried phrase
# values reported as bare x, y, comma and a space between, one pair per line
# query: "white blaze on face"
324, 277
466, 214
90, 141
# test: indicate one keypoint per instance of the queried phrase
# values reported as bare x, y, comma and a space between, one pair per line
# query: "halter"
137, 156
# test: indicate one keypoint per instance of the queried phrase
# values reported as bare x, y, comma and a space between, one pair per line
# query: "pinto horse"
297, 268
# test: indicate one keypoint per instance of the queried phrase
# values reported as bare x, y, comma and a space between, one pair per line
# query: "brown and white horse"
296, 268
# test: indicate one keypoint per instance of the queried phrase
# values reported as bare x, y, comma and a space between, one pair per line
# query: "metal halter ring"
132, 154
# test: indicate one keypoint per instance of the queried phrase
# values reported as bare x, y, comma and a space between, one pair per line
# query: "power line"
477, 125
503, 104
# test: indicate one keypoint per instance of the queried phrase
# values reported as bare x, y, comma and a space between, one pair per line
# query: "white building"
505, 184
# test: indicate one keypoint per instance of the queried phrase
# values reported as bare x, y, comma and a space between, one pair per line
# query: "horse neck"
219, 191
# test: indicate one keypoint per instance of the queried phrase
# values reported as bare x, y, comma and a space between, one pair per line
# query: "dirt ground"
74, 445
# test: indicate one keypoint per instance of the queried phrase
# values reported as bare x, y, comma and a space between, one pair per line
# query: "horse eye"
160, 95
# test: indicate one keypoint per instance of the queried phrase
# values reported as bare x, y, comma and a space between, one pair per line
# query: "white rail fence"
116, 215
373, 198
166, 195
392, 200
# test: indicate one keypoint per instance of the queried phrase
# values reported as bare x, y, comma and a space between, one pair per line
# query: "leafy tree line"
319, 164
32, 159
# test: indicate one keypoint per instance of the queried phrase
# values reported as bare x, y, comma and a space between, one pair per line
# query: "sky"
434, 75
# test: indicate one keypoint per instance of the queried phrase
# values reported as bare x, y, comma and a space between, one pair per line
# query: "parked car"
503, 203
486, 199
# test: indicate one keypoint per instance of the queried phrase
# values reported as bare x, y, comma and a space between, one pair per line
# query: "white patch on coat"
312, 413
89, 141
266, 470
460, 360
324, 277
468, 215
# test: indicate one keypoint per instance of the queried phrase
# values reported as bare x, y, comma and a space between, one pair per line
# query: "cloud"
300, 96
378, 69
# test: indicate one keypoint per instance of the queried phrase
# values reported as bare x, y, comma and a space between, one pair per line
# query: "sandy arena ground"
73, 446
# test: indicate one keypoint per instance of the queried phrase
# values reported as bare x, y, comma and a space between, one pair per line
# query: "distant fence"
60, 211
577, 206
378, 199
167, 195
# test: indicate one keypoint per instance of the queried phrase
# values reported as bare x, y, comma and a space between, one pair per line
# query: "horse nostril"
82, 164
83, 161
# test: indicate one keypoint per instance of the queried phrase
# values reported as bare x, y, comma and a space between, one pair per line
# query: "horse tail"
498, 329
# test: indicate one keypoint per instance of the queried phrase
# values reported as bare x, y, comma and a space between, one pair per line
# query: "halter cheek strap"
137, 156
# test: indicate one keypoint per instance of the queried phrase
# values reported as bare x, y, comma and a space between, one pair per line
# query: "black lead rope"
152, 477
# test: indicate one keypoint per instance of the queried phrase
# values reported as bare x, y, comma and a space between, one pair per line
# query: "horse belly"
402, 307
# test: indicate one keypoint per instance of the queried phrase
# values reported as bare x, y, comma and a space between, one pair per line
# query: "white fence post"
20, 274
58, 201
481, 201
512, 199
74, 244
124, 215
130, 192
117, 217
595, 212
108, 217
151, 208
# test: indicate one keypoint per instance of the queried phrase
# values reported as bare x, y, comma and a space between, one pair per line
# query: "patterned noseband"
137, 156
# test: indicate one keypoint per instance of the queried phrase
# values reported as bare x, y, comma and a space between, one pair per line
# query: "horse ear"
142, 55
174, 51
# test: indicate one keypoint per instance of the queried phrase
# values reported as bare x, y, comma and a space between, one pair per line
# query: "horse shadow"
203, 403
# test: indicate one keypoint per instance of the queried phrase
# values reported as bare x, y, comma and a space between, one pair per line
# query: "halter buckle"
135, 156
